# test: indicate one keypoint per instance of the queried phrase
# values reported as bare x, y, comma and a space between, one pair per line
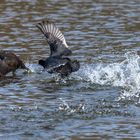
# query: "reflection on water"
101, 100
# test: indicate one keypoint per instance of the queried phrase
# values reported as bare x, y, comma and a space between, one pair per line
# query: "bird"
58, 60
10, 62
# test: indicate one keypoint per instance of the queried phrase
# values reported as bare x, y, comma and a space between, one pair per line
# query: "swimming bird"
58, 61
9, 62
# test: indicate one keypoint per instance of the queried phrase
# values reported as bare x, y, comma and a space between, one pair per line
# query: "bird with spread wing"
58, 61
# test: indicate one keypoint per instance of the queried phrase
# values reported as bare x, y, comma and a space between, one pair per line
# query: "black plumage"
58, 61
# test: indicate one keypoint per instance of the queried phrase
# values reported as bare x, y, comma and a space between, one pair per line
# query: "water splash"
64, 106
34, 68
125, 75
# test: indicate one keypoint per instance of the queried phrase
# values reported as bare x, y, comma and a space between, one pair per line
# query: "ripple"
101, 100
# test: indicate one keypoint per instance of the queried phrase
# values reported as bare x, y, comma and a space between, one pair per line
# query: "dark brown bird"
9, 62
58, 61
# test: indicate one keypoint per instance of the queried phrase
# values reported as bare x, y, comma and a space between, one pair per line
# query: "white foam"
125, 74
64, 106
34, 68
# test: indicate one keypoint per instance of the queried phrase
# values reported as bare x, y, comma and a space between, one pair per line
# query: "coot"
58, 61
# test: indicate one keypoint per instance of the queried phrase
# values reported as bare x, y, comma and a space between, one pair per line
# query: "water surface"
101, 100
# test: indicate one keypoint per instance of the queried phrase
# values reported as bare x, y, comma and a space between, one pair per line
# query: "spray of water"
34, 68
64, 106
125, 75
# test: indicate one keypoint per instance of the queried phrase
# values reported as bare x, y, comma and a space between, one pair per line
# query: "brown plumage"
9, 62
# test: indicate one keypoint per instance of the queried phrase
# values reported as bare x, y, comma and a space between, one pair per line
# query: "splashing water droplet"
34, 68
125, 75
71, 109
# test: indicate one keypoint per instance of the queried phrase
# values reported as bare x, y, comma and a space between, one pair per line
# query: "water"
101, 100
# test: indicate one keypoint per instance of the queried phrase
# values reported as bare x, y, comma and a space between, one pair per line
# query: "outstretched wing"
55, 38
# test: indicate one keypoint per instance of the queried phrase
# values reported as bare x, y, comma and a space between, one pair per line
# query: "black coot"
58, 61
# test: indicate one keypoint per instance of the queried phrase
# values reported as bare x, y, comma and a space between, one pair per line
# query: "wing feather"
55, 38
50, 27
